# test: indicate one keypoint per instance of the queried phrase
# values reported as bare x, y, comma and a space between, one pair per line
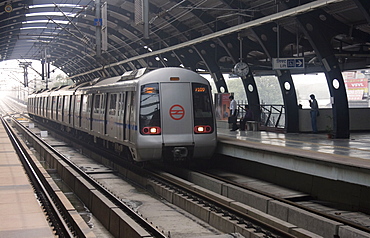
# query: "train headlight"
151, 130
202, 129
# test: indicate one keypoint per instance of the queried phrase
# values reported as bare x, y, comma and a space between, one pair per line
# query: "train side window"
36, 106
41, 111
59, 105
103, 103
66, 108
66, 103
88, 100
96, 103
121, 103
112, 104
47, 106
60, 100
77, 105
53, 106
85, 105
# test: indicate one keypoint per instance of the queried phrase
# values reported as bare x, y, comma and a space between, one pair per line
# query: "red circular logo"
177, 112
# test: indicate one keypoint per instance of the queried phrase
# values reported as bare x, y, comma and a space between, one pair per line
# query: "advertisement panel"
357, 89
222, 103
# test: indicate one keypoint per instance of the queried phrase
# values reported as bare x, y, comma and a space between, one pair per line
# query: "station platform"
21, 214
346, 160
358, 145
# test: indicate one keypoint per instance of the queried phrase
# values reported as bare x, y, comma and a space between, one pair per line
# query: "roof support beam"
313, 27
289, 94
263, 20
364, 6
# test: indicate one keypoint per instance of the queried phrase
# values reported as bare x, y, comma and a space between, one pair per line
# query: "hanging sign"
98, 22
287, 63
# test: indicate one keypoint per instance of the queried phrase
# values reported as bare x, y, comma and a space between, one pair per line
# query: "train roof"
129, 80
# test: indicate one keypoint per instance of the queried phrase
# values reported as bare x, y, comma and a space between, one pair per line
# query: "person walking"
233, 113
314, 112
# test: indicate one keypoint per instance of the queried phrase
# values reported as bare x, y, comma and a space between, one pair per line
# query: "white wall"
358, 119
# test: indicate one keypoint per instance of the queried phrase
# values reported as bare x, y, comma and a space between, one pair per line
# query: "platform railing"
271, 115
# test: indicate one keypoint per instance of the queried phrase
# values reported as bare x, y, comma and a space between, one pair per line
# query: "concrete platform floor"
358, 145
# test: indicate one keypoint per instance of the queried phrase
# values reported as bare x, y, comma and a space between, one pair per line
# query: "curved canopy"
90, 39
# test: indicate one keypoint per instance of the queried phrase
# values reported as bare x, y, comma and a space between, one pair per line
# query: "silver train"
161, 114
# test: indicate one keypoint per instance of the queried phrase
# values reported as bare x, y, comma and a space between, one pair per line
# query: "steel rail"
242, 218
292, 203
248, 220
139, 219
56, 217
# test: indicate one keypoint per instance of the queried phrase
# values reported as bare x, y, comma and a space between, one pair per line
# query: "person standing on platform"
314, 112
247, 117
233, 113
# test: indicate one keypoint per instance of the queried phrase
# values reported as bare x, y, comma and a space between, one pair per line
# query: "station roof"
205, 36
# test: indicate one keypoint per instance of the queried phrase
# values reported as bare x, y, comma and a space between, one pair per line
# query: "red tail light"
152, 130
202, 129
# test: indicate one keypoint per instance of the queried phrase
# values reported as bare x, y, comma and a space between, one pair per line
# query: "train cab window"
202, 108
112, 104
150, 121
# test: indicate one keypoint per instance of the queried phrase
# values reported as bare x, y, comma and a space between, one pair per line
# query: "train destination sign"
287, 63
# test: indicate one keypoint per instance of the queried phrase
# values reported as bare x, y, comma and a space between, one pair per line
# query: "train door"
98, 113
176, 113
70, 110
66, 106
102, 116
72, 118
85, 112
59, 112
46, 99
77, 112
36, 106
42, 106
121, 126
129, 117
53, 107
111, 126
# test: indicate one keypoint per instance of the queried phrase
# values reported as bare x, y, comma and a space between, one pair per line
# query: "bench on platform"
252, 125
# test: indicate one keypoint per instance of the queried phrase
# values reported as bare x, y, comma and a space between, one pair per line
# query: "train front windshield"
150, 121
203, 119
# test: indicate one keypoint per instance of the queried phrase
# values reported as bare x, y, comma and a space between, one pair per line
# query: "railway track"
51, 202
158, 180
103, 200
227, 214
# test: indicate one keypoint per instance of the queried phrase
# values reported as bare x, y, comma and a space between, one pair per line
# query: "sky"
11, 74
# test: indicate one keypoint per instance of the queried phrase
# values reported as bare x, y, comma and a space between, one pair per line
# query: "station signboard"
287, 63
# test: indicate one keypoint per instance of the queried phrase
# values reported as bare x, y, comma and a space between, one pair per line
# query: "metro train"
164, 114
